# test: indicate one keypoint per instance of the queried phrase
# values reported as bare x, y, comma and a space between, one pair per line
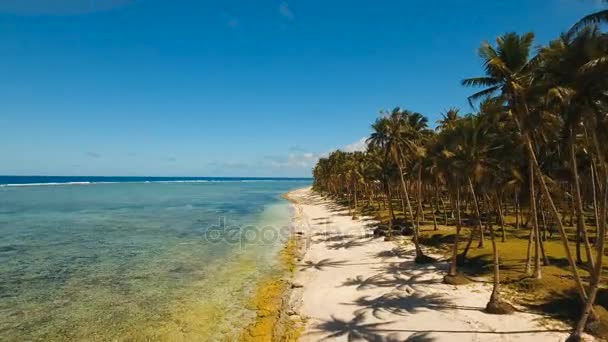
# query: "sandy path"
356, 288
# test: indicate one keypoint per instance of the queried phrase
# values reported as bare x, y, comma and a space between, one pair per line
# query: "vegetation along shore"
516, 190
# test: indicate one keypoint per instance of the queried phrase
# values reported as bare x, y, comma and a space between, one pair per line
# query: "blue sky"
232, 88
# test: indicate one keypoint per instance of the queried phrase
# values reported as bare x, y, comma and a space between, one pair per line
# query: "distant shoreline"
16, 181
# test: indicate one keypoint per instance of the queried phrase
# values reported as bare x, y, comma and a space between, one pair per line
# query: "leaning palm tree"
508, 70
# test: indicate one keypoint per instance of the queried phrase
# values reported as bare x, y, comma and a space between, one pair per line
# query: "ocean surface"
136, 258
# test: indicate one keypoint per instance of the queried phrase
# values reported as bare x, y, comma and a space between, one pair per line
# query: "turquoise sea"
131, 260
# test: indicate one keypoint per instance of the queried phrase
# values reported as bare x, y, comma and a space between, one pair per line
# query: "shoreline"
276, 297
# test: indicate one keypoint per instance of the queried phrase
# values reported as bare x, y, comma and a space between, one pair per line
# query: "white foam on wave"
45, 184
153, 181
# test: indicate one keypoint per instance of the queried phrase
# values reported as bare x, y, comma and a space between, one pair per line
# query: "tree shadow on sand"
354, 330
322, 264
410, 268
357, 330
383, 280
335, 238
400, 303
352, 243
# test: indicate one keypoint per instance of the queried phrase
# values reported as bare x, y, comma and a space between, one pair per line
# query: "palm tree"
541, 125
381, 144
449, 119
508, 75
387, 135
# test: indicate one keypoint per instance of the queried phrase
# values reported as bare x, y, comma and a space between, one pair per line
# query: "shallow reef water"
136, 261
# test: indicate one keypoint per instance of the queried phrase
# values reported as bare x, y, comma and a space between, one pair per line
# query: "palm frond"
479, 82
484, 94
596, 18
595, 65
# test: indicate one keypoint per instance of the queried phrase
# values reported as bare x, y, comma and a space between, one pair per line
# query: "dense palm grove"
534, 150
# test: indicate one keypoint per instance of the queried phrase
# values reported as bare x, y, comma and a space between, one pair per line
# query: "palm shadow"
400, 303
335, 238
383, 280
357, 330
354, 330
410, 268
356, 242
322, 264
420, 337
397, 252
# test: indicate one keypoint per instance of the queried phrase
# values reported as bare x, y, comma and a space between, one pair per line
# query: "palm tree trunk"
517, 210
529, 251
501, 218
355, 192
495, 297
537, 272
435, 209
387, 191
454, 262
545, 189
420, 207
445, 212
595, 278
580, 220
544, 235
476, 204
350, 200
411, 213
595, 207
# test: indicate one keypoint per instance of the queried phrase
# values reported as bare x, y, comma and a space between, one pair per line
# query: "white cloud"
359, 145
294, 160
285, 11
302, 161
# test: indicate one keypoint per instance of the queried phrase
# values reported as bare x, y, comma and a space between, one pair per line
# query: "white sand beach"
358, 288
